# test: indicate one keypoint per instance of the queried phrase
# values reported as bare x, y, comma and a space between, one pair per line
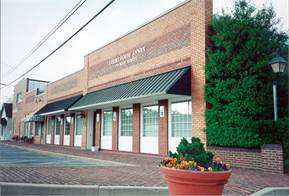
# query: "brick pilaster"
163, 128
272, 158
115, 111
72, 125
97, 130
136, 128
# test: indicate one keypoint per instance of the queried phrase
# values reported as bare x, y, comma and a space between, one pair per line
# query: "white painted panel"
48, 139
77, 140
89, 133
149, 145
125, 143
66, 140
106, 142
56, 139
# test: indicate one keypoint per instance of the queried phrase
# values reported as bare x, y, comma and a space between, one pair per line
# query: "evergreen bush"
238, 88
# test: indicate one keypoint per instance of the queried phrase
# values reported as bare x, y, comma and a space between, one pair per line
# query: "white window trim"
119, 119
141, 115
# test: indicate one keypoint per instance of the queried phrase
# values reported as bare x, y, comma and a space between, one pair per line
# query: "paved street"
146, 173
11, 156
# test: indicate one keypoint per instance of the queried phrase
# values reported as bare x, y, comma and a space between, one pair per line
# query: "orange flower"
174, 160
169, 165
227, 165
190, 163
195, 163
174, 168
210, 169
184, 163
166, 159
182, 166
218, 160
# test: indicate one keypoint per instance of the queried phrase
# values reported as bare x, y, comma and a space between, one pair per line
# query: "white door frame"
77, 138
48, 137
173, 142
148, 144
66, 138
89, 129
124, 142
56, 137
105, 141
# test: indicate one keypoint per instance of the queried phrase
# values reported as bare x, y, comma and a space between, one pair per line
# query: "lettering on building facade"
162, 45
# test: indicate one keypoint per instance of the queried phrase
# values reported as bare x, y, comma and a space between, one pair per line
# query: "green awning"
57, 107
32, 118
176, 82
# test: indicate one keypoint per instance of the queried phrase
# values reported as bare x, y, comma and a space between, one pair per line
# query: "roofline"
142, 25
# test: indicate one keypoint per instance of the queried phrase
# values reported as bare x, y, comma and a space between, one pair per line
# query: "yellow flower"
202, 169
190, 163
210, 169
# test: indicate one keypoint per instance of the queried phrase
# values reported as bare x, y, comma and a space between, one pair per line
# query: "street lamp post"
277, 65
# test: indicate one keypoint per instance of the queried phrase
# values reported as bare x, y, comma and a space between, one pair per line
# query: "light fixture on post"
276, 65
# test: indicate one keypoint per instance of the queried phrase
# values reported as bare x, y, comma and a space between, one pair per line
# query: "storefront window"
31, 128
150, 121
126, 122
107, 123
67, 125
181, 115
57, 125
38, 129
48, 126
78, 125
25, 128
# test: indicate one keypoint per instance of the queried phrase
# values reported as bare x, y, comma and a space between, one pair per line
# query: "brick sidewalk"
147, 173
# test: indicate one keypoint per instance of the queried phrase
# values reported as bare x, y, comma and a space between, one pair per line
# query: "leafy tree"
238, 86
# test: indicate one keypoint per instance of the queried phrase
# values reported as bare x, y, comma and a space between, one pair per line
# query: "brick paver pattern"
146, 173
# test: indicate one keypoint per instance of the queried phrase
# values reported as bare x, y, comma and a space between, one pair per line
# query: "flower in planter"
192, 156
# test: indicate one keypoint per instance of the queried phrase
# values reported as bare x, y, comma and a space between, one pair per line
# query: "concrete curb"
272, 191
49, 189
71, 156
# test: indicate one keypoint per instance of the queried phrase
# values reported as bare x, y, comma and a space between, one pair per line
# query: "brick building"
139, 93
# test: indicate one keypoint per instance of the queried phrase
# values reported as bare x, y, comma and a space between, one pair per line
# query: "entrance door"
41, 133
66, 136
125, 130
57, 130
181, 123
106, 131
78, 130
48, 131
149, 134
90, 125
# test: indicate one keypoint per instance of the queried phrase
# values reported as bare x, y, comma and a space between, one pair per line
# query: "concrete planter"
94, 148
187, 182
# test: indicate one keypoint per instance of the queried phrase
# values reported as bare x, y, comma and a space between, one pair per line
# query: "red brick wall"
267, 159
163, 128
72, 125
272, 158
136, 128
115, 128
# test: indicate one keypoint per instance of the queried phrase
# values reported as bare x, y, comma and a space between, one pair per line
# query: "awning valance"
32, 118
57, 107
176, 82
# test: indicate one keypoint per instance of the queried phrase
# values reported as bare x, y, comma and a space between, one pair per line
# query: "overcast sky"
24, 23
